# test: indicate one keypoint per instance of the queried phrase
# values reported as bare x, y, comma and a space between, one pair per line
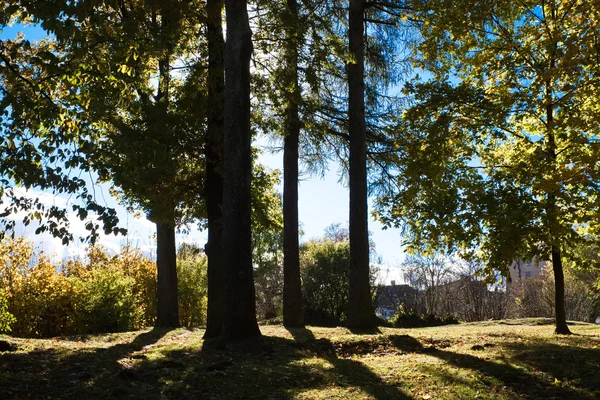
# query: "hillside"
490, 360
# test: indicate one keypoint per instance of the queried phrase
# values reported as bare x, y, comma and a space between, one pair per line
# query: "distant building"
390, 297
521, 270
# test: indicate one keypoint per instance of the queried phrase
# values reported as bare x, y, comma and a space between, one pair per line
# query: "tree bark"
166, 250
559, 279
240, 304
292, 290
214, 170
559, 293
360, 311
166, 263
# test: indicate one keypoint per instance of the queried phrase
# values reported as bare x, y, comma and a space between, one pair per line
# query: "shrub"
411, 319
581, 299
105, 301
103, 293
143, 272
16, 256
325, 269
267, 257
37, 295
534, 297
6, 318
115, 293
128, 263
43, 301
192, 286
268, 283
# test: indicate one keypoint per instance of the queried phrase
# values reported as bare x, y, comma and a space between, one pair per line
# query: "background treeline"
117, 292
439, 289
535, 297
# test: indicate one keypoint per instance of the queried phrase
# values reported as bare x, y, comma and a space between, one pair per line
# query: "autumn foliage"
101, 293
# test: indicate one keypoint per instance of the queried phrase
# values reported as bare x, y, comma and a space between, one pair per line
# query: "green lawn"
503, 359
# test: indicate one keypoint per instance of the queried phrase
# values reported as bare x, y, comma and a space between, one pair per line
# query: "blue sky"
322, 201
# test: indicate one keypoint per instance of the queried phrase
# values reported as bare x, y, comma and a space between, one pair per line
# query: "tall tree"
500, 154
306, 88
292, 291
302, 87
166, 250
149, 175
240, 304
214, 169
360, 312
286, 79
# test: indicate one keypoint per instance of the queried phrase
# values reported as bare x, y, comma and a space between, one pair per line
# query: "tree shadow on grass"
280, 368
349, 371
68, 373
524, 382
274, 367
571, 365
261, 368
268, 368
365, 331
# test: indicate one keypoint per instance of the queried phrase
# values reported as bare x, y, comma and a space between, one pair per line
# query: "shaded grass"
524, 321
487, 361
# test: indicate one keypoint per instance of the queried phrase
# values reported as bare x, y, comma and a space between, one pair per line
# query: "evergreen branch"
377, 21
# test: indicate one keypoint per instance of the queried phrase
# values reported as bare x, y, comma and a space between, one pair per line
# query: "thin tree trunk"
559, 295
559, 279
166, 263
292, 290
240, 304
360, 311
214, 170
557, 267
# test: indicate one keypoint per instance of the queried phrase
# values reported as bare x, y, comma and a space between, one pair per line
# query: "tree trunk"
214, 170
166, 263
166, 250
360, 311
559, 293
240, 304
559, 278
292, 290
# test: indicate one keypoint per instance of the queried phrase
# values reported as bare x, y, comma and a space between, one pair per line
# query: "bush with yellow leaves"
115, 293
6, 318
38, 296
102, 294
43, 301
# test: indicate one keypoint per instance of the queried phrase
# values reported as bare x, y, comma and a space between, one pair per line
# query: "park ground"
489, 360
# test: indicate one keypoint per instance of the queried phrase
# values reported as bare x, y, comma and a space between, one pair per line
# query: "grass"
490, 360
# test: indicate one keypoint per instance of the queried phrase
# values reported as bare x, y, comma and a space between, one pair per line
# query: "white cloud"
50, 245
141, 231
389, 273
